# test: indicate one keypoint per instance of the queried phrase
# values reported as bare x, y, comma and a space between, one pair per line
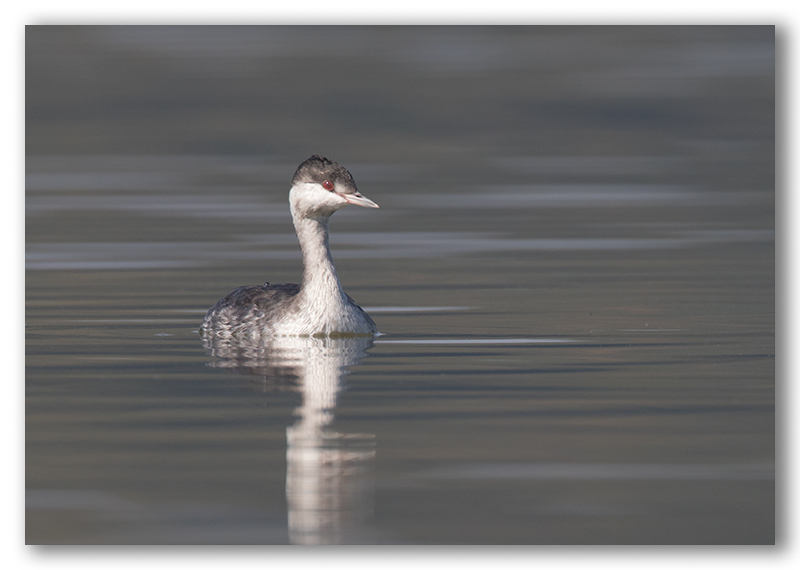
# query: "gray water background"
573, 268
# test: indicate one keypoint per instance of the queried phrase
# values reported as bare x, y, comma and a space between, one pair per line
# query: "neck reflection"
329, 481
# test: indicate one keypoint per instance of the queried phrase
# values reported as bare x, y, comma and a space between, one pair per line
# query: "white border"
18, 14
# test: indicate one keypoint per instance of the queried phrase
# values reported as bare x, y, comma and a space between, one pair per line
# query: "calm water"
573, 268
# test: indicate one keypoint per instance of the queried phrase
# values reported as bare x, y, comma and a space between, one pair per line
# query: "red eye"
328, 185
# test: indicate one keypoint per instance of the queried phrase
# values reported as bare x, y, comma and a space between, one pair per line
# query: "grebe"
318, 307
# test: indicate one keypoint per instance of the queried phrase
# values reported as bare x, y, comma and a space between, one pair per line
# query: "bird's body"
319, 306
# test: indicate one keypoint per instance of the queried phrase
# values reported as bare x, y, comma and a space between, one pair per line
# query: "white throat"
321, 307
320, 281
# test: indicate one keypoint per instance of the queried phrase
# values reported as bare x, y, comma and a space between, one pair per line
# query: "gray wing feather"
248, 307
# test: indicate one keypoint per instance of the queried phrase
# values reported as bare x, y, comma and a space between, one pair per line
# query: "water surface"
572, 270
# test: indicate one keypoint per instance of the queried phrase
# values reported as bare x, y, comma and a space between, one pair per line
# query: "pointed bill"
359, 200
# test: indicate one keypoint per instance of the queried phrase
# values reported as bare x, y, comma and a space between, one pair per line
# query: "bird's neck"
320, 281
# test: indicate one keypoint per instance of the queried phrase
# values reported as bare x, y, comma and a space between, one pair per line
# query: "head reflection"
328, 474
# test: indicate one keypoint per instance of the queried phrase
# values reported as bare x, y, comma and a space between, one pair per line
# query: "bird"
319, 306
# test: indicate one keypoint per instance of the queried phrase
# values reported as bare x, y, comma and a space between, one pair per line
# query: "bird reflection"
329, 486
